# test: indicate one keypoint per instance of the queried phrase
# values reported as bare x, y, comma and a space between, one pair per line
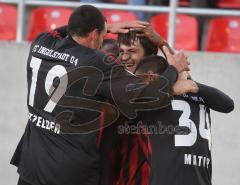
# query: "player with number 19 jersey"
68, 95
48, 153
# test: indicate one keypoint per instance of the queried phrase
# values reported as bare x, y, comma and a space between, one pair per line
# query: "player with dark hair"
197, 99
180, 135
69, 83
139, 43
133, 48
135, 147
149, 63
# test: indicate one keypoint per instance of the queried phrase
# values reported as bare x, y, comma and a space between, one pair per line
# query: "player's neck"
85, 41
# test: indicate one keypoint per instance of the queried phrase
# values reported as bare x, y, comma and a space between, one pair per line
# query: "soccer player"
180, 135
134, 48
204, 97
69, 83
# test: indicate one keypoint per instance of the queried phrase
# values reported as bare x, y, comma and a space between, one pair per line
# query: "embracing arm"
215, 99
212, 97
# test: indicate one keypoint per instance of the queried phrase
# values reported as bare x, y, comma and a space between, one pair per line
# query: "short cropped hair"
156, 64
85, 19
110, 46
128, 39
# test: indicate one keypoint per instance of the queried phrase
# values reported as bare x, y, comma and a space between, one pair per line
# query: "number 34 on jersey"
204, 127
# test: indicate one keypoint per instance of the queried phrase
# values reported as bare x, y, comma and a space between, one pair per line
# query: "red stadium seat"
223, 35
8, 23
115, 16
228, 3
184, 2
186, 30
120, 1
46, 19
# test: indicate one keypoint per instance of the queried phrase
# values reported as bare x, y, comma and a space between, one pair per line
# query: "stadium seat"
116, 16
46, 19
186, 30
120, 1
223, 35
228, 3
184, 2
8, 23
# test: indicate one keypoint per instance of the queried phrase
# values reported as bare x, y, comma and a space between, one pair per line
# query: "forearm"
215, 99
164, 43
171, 74
131, 94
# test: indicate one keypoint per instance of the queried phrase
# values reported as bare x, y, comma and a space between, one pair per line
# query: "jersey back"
180, 140
65, 93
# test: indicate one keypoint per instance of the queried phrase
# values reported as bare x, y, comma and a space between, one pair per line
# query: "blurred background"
209, 30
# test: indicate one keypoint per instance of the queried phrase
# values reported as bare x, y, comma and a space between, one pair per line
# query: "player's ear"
151, 75
94, 34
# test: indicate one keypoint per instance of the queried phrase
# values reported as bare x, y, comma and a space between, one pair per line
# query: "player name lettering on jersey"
55, 54
197, 99
43, 123
196, 160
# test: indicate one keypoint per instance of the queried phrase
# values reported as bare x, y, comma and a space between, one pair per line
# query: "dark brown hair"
129, 38
85, 19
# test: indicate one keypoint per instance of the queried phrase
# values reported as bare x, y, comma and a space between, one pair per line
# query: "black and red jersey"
73, 93
134, 166
180, 137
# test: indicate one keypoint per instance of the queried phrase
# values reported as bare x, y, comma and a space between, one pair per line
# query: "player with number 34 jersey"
180, 134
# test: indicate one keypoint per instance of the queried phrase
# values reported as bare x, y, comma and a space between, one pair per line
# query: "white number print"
185, 121
57, 71
35, 65
61, 73
204, 120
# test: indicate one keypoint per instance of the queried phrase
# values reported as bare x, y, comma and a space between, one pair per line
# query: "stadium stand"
228, 4
186, 39
45, 19
223, 35
115, 16
184, 2
120, 1
8, 23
